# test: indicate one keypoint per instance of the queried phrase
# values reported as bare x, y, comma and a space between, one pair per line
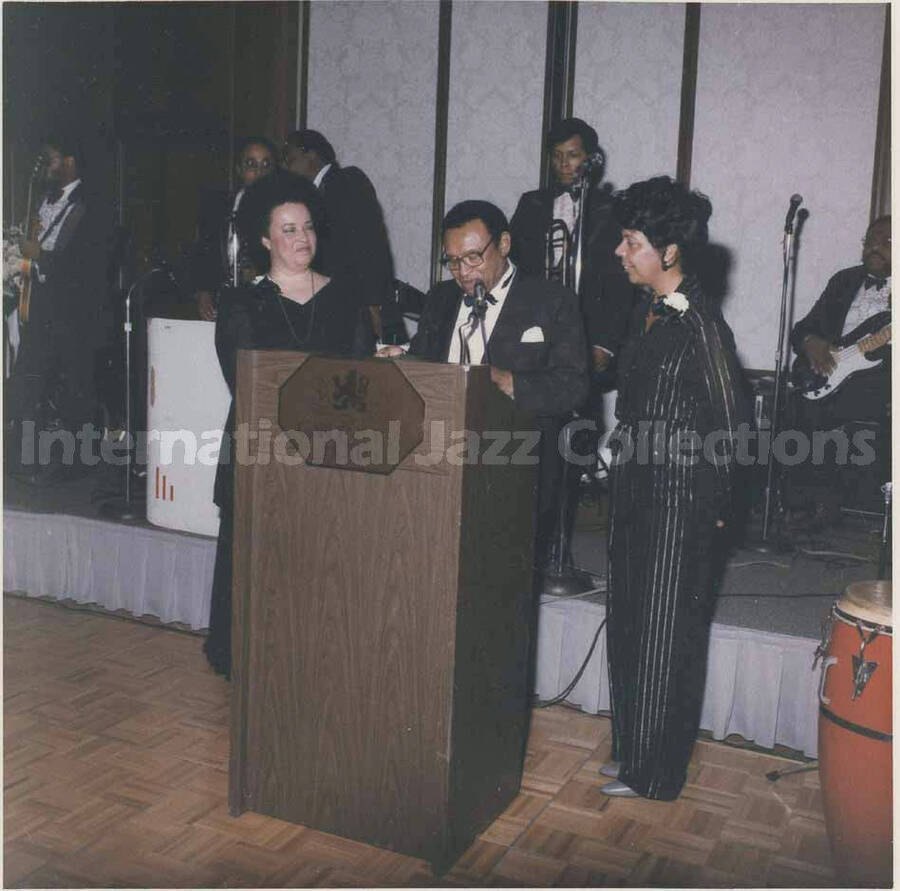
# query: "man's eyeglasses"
253, 164
472, 259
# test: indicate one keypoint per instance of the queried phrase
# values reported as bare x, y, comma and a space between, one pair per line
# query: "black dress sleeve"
716, 377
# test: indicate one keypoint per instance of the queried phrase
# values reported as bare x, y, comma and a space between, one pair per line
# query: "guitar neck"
874, 341
29, 205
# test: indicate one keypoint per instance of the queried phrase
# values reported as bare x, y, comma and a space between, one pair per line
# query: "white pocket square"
533, 335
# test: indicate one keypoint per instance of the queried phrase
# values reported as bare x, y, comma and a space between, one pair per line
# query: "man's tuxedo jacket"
606, 295
355, 243
826, 318
550, 377
209, 264
73, 292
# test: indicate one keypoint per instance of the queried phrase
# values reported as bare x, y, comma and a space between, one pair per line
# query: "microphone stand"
788, 276
123, 508
486, 356
560, 578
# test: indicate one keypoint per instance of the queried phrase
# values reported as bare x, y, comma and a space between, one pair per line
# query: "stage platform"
760, 683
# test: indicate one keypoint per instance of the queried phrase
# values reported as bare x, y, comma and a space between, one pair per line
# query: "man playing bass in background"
849, 323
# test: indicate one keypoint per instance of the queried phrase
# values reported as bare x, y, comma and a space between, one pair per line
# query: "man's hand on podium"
503, 379
390, 352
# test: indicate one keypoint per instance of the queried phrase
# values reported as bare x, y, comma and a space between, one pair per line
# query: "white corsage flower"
677, 302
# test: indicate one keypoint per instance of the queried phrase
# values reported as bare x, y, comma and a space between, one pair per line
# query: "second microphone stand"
560, 578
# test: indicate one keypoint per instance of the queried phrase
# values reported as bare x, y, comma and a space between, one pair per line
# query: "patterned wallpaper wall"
372, 87
628, 84
786, 102
496, 100
787, 97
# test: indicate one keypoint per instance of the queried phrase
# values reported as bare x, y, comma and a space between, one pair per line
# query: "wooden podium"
382, 610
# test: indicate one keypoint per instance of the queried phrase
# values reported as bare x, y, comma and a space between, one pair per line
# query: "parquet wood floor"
116, 749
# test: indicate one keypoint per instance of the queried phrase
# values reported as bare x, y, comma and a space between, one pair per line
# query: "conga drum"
855, 734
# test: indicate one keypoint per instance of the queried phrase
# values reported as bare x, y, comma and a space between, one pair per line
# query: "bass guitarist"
855, 303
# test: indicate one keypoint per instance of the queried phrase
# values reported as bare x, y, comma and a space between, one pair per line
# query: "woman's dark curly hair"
255, 210
667, 212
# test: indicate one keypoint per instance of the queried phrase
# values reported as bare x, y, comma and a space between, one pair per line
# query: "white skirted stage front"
759, 683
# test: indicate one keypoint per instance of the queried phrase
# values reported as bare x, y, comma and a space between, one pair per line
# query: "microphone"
796, 201
594, 163
480, 304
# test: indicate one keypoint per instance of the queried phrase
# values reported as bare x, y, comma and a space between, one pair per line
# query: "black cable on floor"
544, 703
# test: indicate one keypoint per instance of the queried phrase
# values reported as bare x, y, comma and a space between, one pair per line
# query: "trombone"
558, 265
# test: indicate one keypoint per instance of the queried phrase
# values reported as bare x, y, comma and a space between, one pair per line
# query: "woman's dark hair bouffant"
255, 210
667, 212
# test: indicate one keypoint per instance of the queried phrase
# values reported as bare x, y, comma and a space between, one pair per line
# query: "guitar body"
862, 350
31, 227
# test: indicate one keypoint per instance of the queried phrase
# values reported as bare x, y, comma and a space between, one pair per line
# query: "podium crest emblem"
350, 391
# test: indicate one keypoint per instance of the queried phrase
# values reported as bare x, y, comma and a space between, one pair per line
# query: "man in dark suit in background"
852, 297
356, 243
606, 297
52, 380
218, 257
534, 333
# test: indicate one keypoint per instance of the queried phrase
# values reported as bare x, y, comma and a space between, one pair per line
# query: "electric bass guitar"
863, 349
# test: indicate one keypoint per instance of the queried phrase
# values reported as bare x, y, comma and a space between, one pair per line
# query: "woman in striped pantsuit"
670, 491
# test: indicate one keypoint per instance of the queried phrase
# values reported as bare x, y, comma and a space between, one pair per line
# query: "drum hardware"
863, 670
775, 775
885, 530
822, 648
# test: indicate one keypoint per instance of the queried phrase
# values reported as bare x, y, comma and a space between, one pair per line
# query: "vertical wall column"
688, 92
441, 108
559, 74
881, 174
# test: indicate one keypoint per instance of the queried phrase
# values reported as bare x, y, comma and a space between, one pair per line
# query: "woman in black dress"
292, 307
678, 410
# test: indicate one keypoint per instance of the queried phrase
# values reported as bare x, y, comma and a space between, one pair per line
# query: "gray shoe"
618, 789
611, 769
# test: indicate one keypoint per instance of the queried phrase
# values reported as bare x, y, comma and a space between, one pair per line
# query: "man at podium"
529, 330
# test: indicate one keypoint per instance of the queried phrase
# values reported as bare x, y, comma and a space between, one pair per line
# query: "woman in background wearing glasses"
219, 259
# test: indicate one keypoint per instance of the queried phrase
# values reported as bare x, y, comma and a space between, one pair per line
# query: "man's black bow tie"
53, 194
563, 188
479, 307
872, 281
